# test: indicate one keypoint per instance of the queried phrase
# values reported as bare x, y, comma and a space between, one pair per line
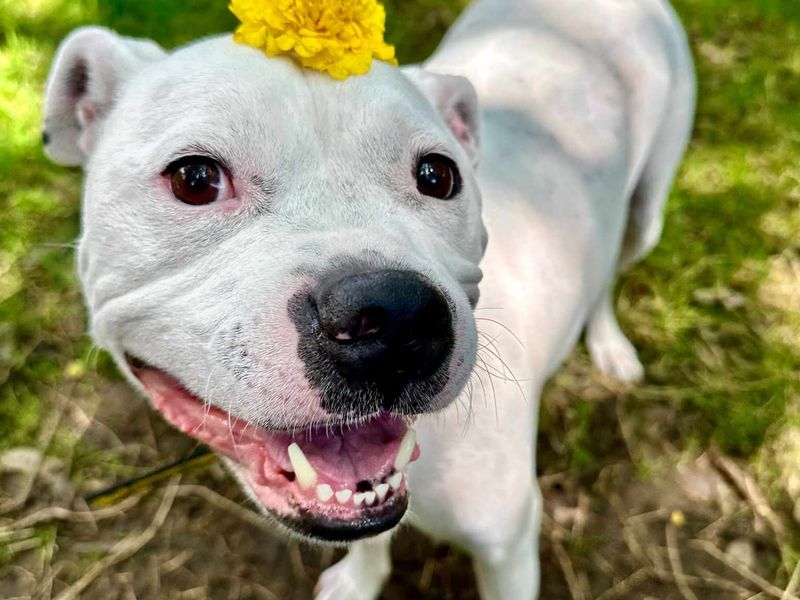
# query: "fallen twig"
743, 570
226, 504
262, 591
794, 583
44, 438
674, 554
748, 489
8, 535
575, 588
713, 579
623, 588
125, 548
578, 587
704, 582
58, 513
22, 545
713, 529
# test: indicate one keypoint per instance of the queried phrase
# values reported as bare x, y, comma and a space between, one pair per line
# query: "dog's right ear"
91, 65
457, 103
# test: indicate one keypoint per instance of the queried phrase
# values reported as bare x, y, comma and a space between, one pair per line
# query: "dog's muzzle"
376, 346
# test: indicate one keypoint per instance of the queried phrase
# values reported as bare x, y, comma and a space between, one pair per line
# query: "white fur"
586, 110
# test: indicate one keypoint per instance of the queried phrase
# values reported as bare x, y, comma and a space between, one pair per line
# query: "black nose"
385, 328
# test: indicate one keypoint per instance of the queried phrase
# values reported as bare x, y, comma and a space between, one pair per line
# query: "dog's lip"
319, 522
138, 365
336, 530
361, 457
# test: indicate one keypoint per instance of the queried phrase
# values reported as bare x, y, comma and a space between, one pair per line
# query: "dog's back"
587, 108
559, 62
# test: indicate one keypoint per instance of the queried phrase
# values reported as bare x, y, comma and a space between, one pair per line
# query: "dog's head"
285, 263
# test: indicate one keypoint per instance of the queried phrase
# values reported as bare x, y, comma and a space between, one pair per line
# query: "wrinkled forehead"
220, 93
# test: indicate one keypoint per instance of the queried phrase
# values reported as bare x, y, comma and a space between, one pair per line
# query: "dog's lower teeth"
324, 492
396, 480
342, 496
306, 476
381, 490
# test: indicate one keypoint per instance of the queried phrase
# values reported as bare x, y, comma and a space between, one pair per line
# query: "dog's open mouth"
335, 483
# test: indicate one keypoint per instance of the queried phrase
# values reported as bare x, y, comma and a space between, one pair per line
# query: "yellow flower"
338, 37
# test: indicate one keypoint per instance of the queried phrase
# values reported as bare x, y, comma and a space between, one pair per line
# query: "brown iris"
195, 180
438, 177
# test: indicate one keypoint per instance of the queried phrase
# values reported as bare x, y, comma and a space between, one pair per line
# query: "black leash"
201, 456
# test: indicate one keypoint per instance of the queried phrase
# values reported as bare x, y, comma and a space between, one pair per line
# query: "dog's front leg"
360, 575
510, 570
611, 351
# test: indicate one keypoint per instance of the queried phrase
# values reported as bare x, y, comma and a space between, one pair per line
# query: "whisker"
505, 365
468, 401
496, 375
491, 347
483, 386
494, 391
496, 322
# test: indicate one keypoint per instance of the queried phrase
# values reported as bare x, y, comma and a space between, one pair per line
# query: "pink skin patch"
354, 464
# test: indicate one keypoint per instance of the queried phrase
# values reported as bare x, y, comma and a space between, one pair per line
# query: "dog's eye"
197, 180
438, 177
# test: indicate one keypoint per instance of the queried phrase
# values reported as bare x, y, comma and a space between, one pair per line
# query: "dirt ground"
697, 528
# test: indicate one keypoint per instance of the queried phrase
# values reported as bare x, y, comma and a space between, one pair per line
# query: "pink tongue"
339, 455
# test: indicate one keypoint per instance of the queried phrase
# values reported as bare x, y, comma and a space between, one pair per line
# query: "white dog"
288, 265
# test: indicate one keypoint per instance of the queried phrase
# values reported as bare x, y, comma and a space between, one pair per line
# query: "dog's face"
285, 263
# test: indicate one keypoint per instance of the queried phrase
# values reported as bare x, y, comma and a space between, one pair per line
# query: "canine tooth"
396, 480
382, 489
305, 473
324, 492
369, 498
358, 498
406, 449
342, 496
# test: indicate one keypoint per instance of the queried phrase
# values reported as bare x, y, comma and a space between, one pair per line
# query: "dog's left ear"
457, 102
91, 66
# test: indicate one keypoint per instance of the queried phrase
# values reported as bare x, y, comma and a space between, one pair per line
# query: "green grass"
706, 310
711, 309
714, 310
710, 331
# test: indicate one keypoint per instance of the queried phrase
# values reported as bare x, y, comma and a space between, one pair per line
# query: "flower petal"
338, 37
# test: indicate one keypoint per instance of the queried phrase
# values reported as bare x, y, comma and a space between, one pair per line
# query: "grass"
715, 310
718, 349
710, 326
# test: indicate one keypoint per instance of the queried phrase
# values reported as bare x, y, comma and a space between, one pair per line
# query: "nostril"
383, 329
367, 323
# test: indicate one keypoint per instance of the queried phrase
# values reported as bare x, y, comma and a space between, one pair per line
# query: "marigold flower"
338, 37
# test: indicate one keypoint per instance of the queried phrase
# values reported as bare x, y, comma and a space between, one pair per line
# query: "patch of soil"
608, 531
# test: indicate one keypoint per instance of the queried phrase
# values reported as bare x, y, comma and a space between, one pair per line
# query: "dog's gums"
334, 482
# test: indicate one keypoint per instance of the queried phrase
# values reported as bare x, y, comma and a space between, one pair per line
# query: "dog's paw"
348, 581
616, 357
